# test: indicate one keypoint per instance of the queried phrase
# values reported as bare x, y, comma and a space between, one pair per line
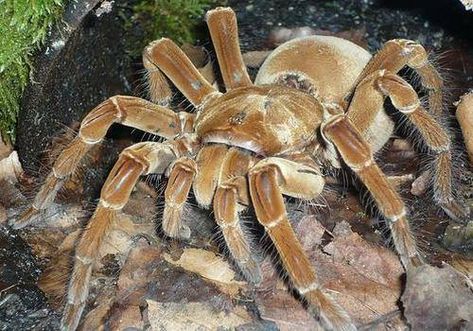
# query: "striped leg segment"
398, 53
174, 63
268, 180
137, 160
357, 154
368, 100
224, 33
129, 111
231, 197
209, 162
175, 197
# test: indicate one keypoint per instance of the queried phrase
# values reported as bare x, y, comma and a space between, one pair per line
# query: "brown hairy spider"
316, 102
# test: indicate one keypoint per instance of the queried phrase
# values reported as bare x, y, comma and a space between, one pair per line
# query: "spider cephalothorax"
316, 102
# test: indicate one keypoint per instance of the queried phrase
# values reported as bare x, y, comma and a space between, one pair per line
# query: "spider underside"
316, 104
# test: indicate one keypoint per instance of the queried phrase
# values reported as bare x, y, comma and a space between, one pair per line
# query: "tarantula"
316, 103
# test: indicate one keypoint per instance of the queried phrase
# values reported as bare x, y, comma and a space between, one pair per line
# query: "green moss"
175, 19
23, 26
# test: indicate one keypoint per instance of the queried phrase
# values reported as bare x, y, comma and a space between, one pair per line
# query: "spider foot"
330, 315
174, 228
71, 317
26, 218
456, 211
250, 270
413, 261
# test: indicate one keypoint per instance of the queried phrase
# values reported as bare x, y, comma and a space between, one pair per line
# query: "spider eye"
238, 118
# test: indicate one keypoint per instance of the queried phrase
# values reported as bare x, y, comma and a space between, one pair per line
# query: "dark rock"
22, 304
83, 63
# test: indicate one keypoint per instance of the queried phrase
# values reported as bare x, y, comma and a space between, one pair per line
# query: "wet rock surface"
91, 64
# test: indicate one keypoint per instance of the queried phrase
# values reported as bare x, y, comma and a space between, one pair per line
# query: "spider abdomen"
327, 66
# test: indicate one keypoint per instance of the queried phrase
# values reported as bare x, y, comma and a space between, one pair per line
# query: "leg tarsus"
455, 211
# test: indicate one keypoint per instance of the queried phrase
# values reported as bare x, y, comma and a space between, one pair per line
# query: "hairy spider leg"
398, 53
268, 180
136, 160
130, 111
158, 88
174, 63
231, 197
209, 162
223, 29
175, 196
465, 119
357, 154
368, 100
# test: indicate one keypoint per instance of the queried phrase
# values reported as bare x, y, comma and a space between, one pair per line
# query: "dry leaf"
209, 266
193, 316
310, 232
128, 318
5, 148
10, 168
95, 319
137, 272
421, 183
365, 278
438, 299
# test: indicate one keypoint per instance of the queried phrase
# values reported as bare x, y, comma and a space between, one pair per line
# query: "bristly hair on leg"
71, 191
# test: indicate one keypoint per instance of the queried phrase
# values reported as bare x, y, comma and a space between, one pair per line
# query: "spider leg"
175, 196
465, 119
137, 160
398, 53
158, 88
230, 198
268, 180
357, 154
129, 111
209, 162
174, 63
223, 29
368, 100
